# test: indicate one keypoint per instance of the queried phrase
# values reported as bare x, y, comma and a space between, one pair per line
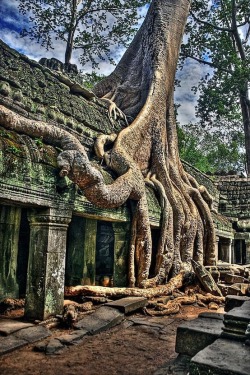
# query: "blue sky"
12, 22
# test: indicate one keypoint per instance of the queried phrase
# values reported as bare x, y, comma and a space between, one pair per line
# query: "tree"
218, 35
213, 151
145, 152
93, 26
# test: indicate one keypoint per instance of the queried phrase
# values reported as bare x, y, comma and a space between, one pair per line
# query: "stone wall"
235, 199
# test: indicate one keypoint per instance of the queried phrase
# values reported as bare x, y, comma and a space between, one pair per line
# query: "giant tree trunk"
145, 152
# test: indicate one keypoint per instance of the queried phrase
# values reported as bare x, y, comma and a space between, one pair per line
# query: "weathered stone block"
128, 304
232, 279
223, 357
196, 334
235, 301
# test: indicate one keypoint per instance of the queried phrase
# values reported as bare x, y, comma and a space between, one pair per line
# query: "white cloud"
189, 76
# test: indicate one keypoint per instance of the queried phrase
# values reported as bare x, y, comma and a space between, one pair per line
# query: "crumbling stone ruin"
88, 199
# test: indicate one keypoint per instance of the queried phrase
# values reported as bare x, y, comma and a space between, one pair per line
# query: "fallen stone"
103, 318
33, 334
8, 326
129, 304
235, 301
233, 279
73, 338
223, 357
54, 346
10, 343
196, 334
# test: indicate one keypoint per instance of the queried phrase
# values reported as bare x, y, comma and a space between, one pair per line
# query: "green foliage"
213, 152
93, 26
218, 35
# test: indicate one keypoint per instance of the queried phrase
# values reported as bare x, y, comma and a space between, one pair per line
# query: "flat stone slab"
103, 318
10, 343
196, 334
223, 357
33, 334
128, 304
9, 326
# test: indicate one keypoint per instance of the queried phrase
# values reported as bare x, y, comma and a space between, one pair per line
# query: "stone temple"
50, 235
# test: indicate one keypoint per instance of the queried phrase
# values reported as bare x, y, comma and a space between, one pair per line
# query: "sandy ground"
124, 350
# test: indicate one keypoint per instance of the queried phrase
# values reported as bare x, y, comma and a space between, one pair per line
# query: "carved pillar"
217, 239
121, 249
247, 242
46, 268
10, 218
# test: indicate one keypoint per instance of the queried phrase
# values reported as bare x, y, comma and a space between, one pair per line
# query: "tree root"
161, 290
173, 306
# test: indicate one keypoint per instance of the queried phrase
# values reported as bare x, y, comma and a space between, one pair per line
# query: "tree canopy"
218, 35
93, 27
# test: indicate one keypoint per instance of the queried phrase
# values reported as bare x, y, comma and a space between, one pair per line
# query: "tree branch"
209, 64
210, 24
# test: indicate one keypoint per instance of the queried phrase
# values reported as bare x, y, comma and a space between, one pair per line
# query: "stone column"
10, 218
46, 268
247, 242
121, 249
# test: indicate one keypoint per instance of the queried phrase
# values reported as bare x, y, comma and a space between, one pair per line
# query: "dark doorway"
104, 250
23, 253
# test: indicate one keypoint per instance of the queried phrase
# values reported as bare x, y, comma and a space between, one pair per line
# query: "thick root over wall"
144, 153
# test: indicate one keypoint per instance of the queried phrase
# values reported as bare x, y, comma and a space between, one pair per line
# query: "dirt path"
125, 350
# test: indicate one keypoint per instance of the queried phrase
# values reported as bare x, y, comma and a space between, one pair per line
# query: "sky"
12, 22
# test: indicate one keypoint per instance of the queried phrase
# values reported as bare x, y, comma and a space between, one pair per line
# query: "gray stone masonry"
196, 334
223, 357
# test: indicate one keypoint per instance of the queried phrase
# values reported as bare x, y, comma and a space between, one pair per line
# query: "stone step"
196, 334
239, 314
103, 318
128, 304
223, 357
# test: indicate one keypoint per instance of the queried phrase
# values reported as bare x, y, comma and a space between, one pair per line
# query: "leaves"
92, 26
218, 35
